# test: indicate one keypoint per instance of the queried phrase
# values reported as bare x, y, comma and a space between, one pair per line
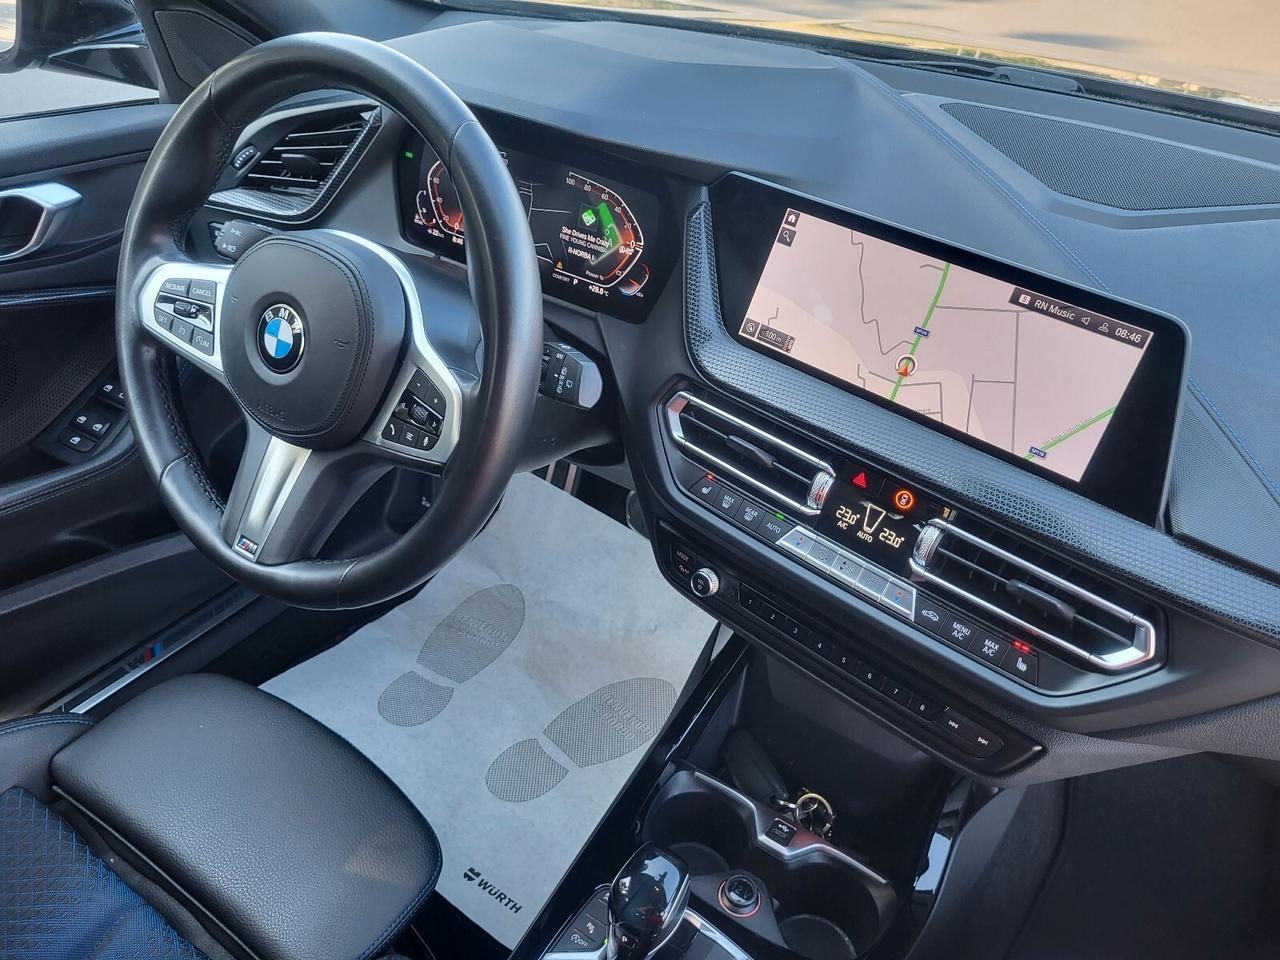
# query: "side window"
59, 55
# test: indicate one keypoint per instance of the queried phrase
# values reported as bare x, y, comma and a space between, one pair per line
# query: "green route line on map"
937, 295
1072, 432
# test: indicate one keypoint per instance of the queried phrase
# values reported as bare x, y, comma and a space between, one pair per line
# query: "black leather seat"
205, 818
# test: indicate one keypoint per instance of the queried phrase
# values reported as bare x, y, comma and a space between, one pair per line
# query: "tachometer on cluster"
439, 212
589, 234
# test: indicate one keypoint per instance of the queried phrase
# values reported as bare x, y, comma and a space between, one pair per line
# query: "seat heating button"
1024, 666
705, 489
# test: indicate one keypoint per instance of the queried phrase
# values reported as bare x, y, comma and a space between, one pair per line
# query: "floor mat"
511, 697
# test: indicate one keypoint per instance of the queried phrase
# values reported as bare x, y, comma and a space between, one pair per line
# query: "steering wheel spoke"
287, 499
181, 305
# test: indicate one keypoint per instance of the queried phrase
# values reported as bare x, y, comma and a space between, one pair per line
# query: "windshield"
1224, 50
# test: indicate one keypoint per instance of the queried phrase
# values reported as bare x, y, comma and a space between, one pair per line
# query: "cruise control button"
205, 291
931, 616
202, 340
988, 647
185, 308
182, 329
772, 529
957, 631
175, 287
1024, 666
163, 318
749, 515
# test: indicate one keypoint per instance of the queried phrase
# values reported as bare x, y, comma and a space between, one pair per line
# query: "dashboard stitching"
1173, 571
1237, 440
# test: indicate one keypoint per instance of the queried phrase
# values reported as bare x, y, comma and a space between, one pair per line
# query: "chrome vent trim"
1142, 647
683, 400
293, 200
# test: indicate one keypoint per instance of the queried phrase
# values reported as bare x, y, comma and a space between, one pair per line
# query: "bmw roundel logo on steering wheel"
280, 338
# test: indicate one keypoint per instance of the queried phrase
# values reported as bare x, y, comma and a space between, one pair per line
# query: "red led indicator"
1022, 646
860, 479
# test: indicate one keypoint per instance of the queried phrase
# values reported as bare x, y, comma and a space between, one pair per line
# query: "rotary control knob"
705, 582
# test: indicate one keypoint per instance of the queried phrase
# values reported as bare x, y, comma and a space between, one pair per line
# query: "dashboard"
950, 440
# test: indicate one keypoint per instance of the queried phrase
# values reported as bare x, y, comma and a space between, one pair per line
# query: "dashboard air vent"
764, 458
305, 159
1063, 605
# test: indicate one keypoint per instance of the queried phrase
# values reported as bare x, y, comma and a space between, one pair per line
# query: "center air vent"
305, 159
1080, 613
774, 464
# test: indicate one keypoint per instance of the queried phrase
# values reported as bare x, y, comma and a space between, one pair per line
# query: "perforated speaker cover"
1117, 169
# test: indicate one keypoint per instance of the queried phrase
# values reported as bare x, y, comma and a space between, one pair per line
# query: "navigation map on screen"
1031, 375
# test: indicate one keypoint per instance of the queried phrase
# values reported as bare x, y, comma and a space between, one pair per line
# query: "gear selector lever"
646, 903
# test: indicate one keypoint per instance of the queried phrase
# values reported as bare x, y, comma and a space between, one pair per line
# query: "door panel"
89, 560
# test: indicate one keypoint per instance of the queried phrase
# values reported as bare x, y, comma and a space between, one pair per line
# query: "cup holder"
822, 905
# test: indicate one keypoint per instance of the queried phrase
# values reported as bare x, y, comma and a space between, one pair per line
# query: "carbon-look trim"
1169, 571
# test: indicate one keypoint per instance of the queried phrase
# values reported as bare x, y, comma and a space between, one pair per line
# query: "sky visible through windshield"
1225, 49
1220, 48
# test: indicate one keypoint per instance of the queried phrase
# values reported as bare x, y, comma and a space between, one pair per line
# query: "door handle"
37, 212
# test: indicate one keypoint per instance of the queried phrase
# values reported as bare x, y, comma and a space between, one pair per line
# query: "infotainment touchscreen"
1015, 368
1052, 377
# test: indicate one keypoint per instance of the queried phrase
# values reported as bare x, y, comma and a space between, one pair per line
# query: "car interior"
505, 479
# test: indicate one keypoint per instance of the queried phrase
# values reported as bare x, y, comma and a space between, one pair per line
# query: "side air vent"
766, 459
305, 159
1078, 612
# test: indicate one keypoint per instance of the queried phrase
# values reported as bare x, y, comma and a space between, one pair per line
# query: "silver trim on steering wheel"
420, 355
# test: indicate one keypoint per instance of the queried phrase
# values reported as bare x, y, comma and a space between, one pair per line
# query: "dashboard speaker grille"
1118, 169
196, 45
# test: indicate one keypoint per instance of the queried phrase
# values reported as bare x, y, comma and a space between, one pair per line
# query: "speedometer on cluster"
588, 233
599, 240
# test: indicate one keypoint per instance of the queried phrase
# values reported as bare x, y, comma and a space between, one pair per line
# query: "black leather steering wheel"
319, 336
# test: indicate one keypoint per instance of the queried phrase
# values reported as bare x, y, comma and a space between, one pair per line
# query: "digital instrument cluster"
593, 236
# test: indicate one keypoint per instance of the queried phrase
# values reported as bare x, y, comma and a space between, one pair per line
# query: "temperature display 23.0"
876, 517
589, 234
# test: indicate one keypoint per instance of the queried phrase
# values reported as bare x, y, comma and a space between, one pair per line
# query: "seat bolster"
266, 822
27, 746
